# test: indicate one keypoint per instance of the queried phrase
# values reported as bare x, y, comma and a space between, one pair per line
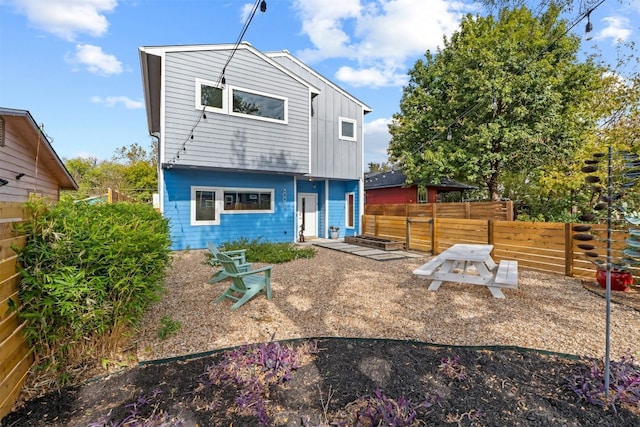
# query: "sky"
74, 64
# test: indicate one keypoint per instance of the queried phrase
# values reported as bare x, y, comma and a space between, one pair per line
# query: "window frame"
198, 100
422, 194
217, 204
271, 191
343, 137
229, 95
348, 217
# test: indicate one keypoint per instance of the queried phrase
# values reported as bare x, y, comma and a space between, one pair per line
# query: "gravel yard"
341, 295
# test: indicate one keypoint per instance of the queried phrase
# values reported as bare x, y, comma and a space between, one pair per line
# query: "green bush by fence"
87, 271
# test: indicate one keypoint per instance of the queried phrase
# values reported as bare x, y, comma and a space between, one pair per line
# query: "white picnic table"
457, 263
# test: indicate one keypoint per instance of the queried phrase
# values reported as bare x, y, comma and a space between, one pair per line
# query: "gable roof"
151, 67
31, 136
287, 54
396, 178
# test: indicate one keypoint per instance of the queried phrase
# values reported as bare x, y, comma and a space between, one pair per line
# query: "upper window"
240, 102
209, 96
347, 129
248, 200
259, 105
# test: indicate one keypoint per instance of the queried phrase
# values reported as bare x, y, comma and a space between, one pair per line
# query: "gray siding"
225, 141
331, 157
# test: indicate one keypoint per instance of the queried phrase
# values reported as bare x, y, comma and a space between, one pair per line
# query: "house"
29, 165
251, 145
389, 187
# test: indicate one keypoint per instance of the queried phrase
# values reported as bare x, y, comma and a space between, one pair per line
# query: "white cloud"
376, 141
618, 29
112, 101
371, 77
95, 60
67, 18
384, 34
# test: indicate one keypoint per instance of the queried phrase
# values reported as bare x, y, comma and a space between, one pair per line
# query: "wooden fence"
542, 246
468, 210
15, 355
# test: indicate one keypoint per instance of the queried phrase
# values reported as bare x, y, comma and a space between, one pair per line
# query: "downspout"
326, 208
160, 173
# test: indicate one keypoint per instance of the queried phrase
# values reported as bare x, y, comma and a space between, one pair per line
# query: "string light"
589, 27
221, 79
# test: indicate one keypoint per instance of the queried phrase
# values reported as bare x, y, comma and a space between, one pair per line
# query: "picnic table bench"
456, 264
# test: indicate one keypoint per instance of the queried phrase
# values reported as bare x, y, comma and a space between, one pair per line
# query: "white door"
308, 213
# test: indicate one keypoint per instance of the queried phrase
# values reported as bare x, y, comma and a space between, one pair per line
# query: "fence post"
510, 213
490, 232
434, 236
568, 250
375, 225
408, 234
109, 195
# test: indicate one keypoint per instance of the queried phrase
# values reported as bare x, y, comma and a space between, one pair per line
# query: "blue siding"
275, 227
337, 206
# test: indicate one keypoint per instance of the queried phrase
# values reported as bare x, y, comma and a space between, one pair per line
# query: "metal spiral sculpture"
599, 201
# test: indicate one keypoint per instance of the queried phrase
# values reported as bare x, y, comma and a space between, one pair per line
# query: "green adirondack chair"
244, 284
238, 256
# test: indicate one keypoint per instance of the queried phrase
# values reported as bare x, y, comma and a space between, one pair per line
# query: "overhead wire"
221, 78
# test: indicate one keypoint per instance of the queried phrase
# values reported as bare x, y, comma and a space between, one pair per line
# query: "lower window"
209, 203
248, 200
205, 206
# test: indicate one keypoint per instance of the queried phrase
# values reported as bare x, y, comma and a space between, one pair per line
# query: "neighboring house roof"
150, 60
396, 178
301, 64
31, 136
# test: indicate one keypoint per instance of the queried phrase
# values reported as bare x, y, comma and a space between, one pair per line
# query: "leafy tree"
131, 171
380, 167
501, 96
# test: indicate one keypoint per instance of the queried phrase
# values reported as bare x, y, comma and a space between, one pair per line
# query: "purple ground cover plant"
142, 414
381, 410
251, 372
587, 381
451, 368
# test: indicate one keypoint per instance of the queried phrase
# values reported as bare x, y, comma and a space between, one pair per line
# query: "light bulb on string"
589, 27
449, 134
263, 6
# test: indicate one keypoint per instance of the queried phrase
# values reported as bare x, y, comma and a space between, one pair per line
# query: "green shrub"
89, 272
269, 252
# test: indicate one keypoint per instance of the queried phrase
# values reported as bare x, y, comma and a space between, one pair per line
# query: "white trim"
287, 54
296, 224
326, 208
218, 205
346, 210
355, 129
161, 50
229, 95
198, 96
249, 190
